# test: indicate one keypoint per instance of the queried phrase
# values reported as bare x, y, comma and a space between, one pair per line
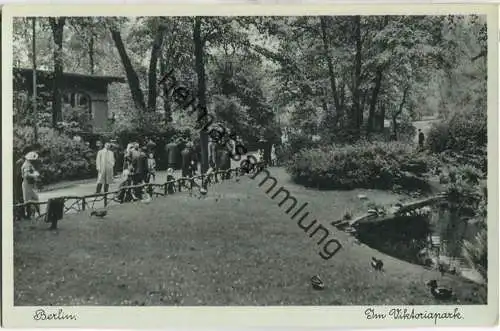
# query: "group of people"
272, 160
139, 166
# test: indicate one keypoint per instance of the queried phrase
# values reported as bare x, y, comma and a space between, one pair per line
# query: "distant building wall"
100, 113
89, 93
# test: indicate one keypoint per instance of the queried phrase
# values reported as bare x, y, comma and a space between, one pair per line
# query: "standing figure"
421, 139
140, 165
30, 176
273, 156
105, 163
170, 181
151, 167
186, 155
172, 151
212, 155
225, 161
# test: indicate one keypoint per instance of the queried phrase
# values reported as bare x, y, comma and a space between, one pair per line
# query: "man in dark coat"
140, 164
172, 151
187, 157
421, 139
225, 160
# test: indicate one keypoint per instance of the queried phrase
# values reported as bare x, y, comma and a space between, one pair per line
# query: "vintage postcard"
250, 166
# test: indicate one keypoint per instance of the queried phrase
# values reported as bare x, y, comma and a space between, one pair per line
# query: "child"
170, 177
151, 167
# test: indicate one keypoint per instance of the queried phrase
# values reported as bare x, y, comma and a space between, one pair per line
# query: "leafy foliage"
61, 157
363, 165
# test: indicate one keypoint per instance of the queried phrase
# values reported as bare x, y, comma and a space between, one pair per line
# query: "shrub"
363, 165
465, 193
295, 144
406, 131
61, 158
465, 133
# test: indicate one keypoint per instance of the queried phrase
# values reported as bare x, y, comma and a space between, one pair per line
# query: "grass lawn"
233, 247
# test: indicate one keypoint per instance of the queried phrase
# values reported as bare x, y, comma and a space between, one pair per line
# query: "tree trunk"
381, 117
57, 25
166, 98
153, 65
376, 89
374, 100
33, 59
91, 54
357, 115
331, 72
202, 102
133, 79
400, 110
340, 114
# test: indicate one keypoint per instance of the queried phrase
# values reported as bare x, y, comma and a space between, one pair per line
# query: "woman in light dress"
30, 176
274, 160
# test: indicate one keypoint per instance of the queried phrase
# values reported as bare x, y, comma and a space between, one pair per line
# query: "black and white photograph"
306, 160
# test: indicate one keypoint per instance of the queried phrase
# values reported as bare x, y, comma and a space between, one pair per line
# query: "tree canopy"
332, 76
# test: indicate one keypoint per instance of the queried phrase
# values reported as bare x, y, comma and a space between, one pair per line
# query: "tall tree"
153, 66
199, 44
357, 114
331, 70
57, 26
132, 77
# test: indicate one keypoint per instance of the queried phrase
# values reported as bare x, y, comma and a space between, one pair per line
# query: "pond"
430, 236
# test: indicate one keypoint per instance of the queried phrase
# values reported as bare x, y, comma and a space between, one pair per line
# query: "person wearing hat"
30, 176
105, 163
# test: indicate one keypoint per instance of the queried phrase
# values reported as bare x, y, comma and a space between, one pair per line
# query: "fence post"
179, 184
83, 204
105, 199
165, 188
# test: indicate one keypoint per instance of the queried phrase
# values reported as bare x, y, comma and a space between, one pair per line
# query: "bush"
363, 165
465, 133
465, 193
61, 158
294, 145
406, 131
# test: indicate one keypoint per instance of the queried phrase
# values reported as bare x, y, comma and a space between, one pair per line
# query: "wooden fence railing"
75, 204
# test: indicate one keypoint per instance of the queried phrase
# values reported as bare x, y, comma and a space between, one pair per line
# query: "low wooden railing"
81, 203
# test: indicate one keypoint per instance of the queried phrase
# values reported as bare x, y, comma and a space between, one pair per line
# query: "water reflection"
431, 236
